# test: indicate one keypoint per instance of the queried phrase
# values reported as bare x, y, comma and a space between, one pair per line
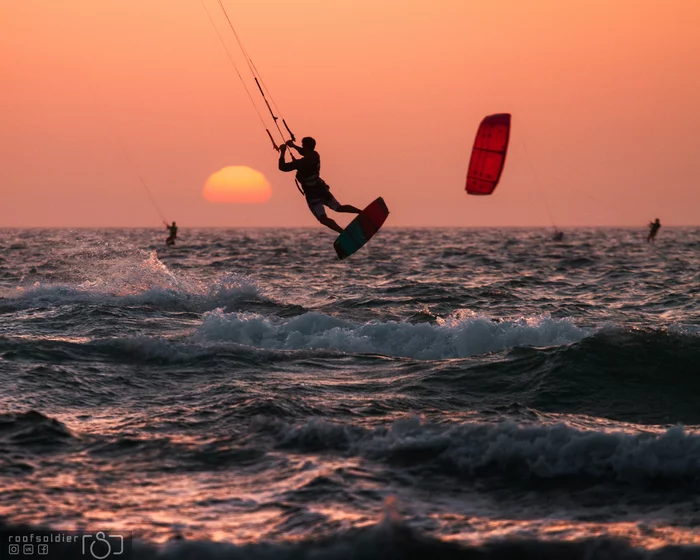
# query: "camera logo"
101, 546
14, 549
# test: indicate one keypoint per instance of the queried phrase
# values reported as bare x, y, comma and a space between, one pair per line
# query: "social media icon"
14, 549
43, 549
28, 549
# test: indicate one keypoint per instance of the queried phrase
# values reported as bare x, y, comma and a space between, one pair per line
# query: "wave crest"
460, 335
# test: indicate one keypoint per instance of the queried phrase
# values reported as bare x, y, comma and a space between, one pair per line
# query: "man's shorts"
316, 205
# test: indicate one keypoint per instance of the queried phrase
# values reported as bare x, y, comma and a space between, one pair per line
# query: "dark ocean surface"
449, 393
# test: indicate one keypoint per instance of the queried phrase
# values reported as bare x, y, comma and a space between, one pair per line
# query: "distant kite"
488, 154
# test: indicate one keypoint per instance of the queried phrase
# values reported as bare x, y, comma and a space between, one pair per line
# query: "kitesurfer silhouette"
653, 230
173, 233
316, 191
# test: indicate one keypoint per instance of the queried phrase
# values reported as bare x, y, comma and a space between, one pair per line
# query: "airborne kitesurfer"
316, 191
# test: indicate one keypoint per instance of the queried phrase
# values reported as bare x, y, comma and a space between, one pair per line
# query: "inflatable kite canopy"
488, 154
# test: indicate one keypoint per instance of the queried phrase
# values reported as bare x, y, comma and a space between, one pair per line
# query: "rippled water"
440, 385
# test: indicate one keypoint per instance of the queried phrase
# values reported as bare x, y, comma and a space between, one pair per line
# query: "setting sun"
237, 184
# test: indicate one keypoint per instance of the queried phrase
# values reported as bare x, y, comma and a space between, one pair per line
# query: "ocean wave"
145, 350
546, 451
643, 376
136, 281
476, 450
117, 350
462, 334
228, 292
630, 374
32, 430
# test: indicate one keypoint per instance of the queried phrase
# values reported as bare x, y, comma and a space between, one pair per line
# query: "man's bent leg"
333, 204
328, 222
318, 210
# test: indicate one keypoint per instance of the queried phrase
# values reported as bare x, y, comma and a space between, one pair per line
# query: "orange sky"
604, 96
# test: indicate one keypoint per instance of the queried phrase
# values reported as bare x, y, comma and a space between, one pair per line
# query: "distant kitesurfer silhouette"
316, 191
173, 233
653, 230
558, 235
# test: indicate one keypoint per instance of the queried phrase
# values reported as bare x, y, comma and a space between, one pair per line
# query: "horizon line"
635, 226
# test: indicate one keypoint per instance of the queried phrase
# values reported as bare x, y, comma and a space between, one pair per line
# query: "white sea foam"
683, 329
143, 280
462, 334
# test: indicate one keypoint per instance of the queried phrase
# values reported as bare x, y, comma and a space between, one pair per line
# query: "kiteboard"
361, 229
